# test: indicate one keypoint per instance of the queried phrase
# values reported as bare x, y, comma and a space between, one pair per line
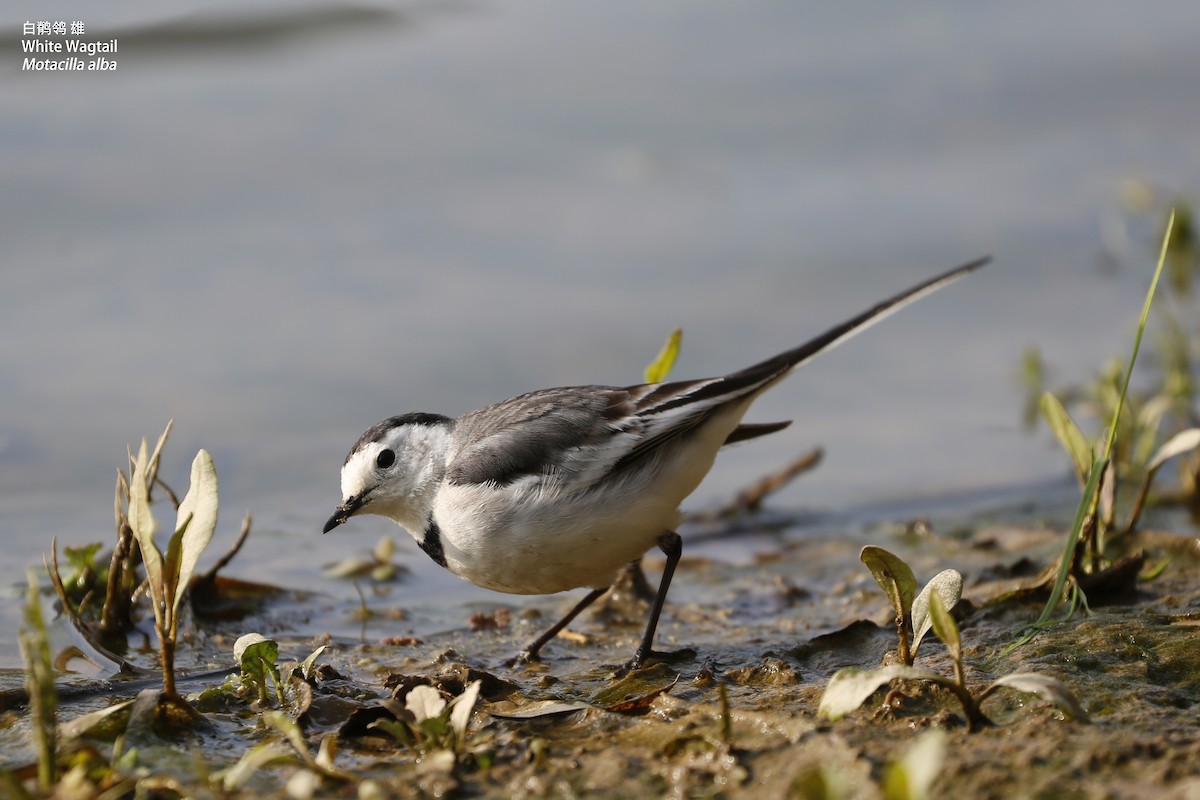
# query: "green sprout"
899, 584
316, 768
39, 681
168, 575
260, 676
379, 567
911, 777
430, 726
1096, 466
849, 688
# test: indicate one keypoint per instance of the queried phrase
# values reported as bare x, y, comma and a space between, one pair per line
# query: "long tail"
666, 397
775, 368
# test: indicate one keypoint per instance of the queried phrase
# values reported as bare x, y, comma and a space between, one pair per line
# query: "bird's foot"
522, 659
643, 660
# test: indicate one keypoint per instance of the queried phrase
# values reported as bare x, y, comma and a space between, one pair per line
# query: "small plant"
260, 676
39, 682
168, 576
379, 567
851, 687
897, 581
428, 725
303, 783
1097, 466
912, 776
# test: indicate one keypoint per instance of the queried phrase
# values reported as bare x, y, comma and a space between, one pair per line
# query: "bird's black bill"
344, 512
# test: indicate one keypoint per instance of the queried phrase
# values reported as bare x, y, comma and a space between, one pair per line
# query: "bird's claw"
642, 660
521, 659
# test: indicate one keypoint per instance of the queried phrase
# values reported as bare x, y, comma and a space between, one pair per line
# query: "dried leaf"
540, 710
633, 705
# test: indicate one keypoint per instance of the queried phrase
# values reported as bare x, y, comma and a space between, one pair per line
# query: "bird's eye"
385, 459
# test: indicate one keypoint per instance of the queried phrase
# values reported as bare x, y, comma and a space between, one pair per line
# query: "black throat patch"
432, 543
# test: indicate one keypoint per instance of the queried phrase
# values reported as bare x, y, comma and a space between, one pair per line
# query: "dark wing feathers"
752, 430
525, 435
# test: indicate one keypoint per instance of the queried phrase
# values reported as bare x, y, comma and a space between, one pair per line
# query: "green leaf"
34, 644
291, 731
251, 762
197, 521
660, 367
1097, 469
256, 654
944, 625
306, 666
849, 688
893, 576
434, 729
1064, 562
1068, 434
948, 584
912, 776
82, 557
397, 729
1045, 687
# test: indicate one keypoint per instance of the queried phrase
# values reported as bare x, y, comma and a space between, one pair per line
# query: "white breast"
537, 536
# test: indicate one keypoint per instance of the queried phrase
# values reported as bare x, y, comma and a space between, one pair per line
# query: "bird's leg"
530, 653
671, 543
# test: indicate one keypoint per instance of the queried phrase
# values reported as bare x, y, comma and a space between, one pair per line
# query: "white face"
374, 468
394, 475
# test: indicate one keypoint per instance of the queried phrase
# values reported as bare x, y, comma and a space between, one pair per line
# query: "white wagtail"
560, 488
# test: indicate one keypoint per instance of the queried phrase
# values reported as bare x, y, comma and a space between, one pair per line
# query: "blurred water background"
280, 226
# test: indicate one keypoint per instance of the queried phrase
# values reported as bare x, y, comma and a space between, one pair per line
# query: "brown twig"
750, 499
224, 560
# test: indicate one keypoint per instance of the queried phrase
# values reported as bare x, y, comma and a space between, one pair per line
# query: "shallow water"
279, 229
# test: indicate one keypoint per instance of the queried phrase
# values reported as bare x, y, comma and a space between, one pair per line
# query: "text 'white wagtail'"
560, 488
